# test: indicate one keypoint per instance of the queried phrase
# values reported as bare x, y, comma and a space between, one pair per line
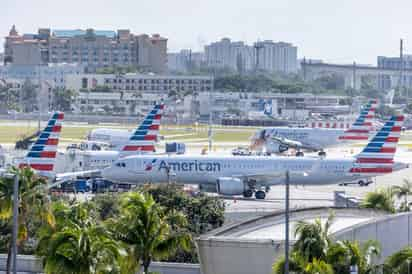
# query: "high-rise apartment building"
266, 55
276, 57
185, 60
92, 48
228, 54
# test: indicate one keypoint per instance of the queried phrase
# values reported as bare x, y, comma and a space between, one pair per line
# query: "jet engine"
276, 147
230, 186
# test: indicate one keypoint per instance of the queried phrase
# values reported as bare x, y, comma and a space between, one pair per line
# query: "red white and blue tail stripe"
378, 156
145, 136
42, 154
363, 125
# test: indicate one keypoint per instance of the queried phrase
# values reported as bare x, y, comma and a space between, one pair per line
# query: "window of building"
84, 82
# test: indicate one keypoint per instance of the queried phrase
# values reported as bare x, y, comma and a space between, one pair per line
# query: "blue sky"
337, 31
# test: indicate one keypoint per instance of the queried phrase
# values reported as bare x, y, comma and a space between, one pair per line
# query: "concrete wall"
235, 257
31, 264
222, 251
393, 233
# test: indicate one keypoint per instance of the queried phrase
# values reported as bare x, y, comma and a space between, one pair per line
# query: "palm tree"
400, 262
147, 231
344, 254
381, 199
314, 251
77, 244
403, 191
33, 204
318, 267
313, 238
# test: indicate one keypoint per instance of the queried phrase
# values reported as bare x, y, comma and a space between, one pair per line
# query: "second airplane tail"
144, 138
378, 156
363, 125
42, 154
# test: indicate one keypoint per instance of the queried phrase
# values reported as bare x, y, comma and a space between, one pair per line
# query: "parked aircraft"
116, 138
141, 140
41, 156
237, 175
280, 139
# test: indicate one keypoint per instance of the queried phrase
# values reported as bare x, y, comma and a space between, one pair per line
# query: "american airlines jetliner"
140, 141
280, 139
41, 156
116, 138
248, 175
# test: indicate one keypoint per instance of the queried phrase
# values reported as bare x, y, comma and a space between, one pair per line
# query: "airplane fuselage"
208, 169
317, 138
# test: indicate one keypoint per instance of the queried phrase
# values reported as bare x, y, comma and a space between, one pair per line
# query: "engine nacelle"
230, 186
275, 147
208, 188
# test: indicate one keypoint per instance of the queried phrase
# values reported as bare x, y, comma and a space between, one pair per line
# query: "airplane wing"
63, 177
294, 144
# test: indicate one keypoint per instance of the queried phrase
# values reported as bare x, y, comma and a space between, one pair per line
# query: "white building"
185, 60
228, 54
55, 74
135, 82
130, 93
276, 57
44, 90
242, 105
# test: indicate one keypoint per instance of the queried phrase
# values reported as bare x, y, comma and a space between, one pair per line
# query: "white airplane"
116, 138
141, 140
280, 139
234, 175
42, 154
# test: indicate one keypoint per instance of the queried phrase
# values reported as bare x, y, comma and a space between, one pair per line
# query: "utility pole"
401, 66
15, 221
354, 75
287, 181
304, 69
257, 47
190, 61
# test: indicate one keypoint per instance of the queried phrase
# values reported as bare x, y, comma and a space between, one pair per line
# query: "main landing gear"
299, 153
260, 195
260, 192
322, 153
248, 193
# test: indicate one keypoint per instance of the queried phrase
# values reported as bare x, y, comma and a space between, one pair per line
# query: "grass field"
11, 133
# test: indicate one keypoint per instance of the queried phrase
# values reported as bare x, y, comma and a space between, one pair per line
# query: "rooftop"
77, 32
271, 227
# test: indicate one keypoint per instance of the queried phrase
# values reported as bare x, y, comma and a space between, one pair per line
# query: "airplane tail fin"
42, 154
363, 125
378, 156
146, 134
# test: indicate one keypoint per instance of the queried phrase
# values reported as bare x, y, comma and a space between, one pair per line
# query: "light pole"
15, 177
287, 181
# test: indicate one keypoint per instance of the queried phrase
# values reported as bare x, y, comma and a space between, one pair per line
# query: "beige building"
92, 48
134, 82
132, 93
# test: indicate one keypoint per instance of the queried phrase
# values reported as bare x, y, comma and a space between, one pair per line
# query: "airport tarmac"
300, 196
313, 196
